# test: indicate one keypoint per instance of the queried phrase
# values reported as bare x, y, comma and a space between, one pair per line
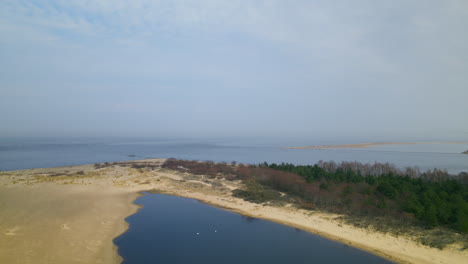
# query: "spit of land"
72, 214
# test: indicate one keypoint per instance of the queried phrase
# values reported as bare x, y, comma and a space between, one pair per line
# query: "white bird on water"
198, 233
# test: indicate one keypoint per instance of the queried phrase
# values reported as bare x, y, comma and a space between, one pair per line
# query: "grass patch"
438, 237
257, 193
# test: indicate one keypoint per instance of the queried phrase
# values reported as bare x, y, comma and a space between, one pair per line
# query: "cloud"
297, 60
376, 37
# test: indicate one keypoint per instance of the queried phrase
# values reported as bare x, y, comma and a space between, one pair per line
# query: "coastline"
57, 221
301, 227
102, 198
383, 245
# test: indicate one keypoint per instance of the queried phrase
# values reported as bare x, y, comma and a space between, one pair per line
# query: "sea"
26, 153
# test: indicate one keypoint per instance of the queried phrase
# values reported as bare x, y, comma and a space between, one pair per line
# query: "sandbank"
373, 145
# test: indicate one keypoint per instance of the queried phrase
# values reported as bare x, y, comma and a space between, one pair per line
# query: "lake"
170, 229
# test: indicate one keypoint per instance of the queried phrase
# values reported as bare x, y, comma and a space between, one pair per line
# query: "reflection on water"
249, 218
171, 229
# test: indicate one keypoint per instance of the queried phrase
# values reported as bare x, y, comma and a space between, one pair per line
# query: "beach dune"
62, 223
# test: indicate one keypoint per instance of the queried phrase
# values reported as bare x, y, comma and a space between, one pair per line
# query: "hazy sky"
234, 68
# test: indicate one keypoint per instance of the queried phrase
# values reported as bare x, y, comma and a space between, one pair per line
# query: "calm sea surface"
25, 153
171, 229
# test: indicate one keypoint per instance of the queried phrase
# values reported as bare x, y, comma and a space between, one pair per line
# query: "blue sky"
234, 68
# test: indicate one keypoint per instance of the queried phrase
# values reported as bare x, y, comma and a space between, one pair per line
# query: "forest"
428, 199
433, 198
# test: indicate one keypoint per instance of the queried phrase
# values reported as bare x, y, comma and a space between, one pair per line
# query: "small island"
72, 214
465, 152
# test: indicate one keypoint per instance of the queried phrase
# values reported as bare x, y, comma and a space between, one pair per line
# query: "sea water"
26, 153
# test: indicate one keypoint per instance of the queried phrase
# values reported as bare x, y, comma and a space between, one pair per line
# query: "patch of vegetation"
131, 164
434, 198
377, 195
158, 191
257, 193
208, 168
438, 237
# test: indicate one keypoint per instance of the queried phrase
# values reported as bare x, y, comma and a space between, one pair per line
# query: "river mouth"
171, 229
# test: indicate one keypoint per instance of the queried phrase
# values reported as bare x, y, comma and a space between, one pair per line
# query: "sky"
220, 68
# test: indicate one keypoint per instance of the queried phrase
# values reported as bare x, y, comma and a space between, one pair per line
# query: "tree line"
430, 199
434, 197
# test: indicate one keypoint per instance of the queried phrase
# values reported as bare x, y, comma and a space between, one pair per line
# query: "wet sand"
72, 214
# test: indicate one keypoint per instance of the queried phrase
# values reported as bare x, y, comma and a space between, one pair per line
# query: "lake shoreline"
118, 186
290, 224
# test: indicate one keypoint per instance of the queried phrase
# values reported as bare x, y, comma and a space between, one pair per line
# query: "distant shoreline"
373, 145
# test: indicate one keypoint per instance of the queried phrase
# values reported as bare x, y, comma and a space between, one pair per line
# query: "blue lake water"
25, 153
171, 229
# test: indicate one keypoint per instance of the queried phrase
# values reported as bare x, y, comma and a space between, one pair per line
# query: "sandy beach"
373, 145
72, 214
